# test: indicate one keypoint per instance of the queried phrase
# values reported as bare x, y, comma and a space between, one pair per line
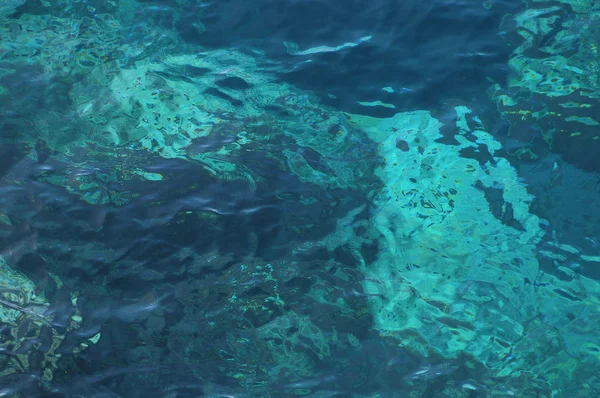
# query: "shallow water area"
299, 198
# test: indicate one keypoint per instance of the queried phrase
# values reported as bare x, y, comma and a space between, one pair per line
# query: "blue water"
299, 198
436, 52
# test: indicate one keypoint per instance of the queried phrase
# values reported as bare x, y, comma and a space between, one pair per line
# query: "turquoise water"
299, 198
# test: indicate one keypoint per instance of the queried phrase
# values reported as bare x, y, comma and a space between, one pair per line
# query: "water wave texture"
314, 198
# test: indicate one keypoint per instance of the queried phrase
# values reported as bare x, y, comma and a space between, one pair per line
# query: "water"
435, 52
299, 198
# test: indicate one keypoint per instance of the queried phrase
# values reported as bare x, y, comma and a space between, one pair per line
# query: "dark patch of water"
426, 52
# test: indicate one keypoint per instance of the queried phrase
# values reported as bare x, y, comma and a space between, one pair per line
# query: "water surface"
299, 198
